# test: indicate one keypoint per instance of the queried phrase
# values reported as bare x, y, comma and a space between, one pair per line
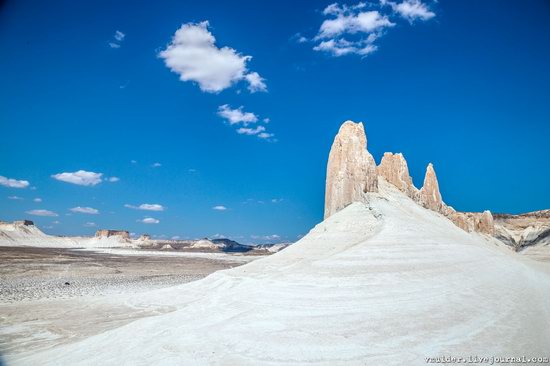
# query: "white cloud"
299, 38
255, 82
336, 9
90, 224
85, 210
133, 161
277, 200
342, 47
37, 199
364, 27
194, 56
113, 179
146, 207
234, 116
119, 36
361, 22
14, 198
250, 131
219, 208
81, 177
42, 213
266, 237
56, 222
265, 136
176, 237
412, 10
156, 165
13, 183
149, 220
350, 29
237, 116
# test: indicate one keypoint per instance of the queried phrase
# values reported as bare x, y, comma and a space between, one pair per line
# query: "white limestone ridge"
352, 172
25, 233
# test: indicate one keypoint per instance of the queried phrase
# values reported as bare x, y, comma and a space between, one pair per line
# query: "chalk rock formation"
485, 223
430, 197
351, 170
108, 233
394, 169
481, 222
524, 230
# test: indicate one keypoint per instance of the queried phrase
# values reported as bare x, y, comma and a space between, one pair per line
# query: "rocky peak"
351, 170
430, 197
393, 168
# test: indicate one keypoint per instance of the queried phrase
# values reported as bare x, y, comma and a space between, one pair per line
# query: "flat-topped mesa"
393, 168
108, 233
351, 170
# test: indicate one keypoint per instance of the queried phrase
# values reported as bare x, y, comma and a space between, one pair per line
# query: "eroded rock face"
485, 223
351, 170
393, 168
108, 233
430, 197
481, 222
524, 230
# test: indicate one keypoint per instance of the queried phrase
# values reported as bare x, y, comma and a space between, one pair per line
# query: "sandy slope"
387, 283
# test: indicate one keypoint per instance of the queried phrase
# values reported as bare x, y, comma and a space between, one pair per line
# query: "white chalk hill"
385, 282
22, 234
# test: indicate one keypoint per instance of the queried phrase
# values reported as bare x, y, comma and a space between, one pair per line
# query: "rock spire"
352, 172
430, 197
351, 169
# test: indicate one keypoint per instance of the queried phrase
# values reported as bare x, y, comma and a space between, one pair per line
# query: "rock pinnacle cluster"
352, 172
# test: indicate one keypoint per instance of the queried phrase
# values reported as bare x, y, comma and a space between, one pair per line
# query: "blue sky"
102, 87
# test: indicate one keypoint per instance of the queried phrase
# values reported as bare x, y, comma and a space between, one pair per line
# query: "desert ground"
380, 282
51, 296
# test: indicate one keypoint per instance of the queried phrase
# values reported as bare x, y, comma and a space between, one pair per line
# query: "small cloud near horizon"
149, 220
146, 207
42, 213
85, 210
219, 208
13, 183
81, 178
